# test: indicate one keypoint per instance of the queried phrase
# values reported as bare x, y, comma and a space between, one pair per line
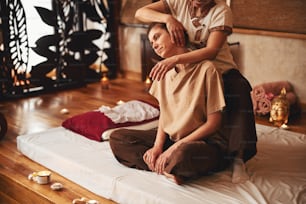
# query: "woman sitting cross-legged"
188, 142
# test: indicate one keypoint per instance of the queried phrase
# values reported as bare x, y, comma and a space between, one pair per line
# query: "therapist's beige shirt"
218, 18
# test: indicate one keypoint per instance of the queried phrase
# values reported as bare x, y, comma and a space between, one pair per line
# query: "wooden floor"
39, 113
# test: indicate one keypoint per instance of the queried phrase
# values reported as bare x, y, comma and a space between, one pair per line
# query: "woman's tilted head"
160, 40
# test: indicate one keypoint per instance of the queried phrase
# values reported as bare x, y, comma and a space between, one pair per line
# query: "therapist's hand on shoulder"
159, 71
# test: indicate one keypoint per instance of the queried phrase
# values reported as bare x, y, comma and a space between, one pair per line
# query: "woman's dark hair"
163, 26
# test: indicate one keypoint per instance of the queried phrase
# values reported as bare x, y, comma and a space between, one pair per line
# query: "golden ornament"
280, 109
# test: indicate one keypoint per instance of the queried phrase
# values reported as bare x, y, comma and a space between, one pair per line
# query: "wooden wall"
270, 15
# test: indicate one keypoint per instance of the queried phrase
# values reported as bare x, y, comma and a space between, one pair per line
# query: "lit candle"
148, 83
105, 82
120, 102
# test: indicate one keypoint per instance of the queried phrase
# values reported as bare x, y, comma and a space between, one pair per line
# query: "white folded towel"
131, 111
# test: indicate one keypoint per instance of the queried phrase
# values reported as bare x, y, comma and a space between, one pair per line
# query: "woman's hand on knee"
150, 157
163, 160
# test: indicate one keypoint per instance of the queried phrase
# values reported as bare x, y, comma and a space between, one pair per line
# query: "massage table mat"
277, 172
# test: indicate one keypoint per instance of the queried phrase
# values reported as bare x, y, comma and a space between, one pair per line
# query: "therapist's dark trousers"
238, 116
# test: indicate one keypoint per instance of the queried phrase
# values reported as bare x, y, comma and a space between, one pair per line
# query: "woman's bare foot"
176, 179
240, 174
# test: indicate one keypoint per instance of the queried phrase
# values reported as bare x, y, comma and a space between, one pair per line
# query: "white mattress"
277, 172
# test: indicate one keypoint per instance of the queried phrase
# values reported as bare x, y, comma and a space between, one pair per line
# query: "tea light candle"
105, 82
41, 177
64, 111
120, 102
284, 126
148, 83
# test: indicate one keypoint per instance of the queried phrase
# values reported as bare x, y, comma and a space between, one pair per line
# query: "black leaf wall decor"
15, 53
70, 52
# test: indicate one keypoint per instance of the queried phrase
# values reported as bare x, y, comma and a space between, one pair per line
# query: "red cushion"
92, 124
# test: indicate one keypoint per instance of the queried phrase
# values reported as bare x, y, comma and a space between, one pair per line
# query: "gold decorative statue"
280, 110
